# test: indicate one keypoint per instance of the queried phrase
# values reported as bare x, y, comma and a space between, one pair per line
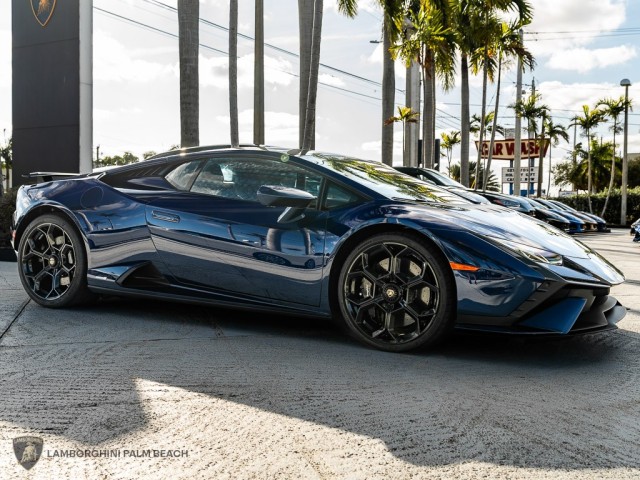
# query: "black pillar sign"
52, 86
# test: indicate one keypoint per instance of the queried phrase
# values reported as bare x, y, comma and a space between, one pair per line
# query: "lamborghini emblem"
43, 10
27, 450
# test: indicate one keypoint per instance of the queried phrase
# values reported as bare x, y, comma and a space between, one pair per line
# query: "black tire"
396, 293
52, 263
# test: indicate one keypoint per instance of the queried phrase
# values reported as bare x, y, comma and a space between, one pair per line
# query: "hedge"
612, 215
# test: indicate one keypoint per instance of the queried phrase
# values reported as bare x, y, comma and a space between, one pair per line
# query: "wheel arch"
45, 209
345, 248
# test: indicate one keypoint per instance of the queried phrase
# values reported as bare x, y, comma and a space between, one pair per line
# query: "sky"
583, 48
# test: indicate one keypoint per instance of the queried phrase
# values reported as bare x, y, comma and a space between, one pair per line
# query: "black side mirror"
295, 200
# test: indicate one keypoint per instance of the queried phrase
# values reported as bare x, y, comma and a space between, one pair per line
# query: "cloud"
214, 71
332, 80
281, 128
5, 59
575, 24
115, 63
584, 60
369, 6
567, 99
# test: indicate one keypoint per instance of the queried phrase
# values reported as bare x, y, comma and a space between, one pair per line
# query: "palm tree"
454, 172
188, 30
530, 110
612, 108
313, 12
450, 140
576, 173
6, 160
389, 89
393, 17
233, 72
487, 124
489, 34
554, 132
430, 42
467, 34
587, 122
508, 44
469, 23
481, 60
258, 75
405, 115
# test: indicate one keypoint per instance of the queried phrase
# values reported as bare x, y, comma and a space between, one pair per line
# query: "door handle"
165, 217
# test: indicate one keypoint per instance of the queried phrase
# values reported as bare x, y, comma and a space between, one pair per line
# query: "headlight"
535, 254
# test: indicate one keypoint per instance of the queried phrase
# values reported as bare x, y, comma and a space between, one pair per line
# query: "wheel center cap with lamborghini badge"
391, 293
53, 261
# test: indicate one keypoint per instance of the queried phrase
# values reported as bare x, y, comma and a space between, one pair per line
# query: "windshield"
387, 181
444, 180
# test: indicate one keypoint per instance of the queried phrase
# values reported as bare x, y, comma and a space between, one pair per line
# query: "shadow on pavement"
560, 404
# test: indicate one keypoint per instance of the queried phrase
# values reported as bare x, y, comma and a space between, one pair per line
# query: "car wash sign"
505, 149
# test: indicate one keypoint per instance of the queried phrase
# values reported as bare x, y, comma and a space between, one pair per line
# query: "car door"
214, 234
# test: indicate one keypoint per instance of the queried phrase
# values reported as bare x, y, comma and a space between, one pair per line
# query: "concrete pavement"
133, 389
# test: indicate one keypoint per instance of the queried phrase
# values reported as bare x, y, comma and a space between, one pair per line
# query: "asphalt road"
129, 389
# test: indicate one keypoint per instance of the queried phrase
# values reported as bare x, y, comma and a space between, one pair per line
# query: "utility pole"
517, 158
625, 161
97, 154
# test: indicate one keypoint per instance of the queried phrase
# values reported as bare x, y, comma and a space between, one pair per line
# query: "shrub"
7, 206
612, 215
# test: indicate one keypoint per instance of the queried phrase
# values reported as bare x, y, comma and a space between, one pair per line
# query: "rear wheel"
396, 293
52, 262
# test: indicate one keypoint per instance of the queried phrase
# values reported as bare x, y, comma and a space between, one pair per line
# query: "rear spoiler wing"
41, 177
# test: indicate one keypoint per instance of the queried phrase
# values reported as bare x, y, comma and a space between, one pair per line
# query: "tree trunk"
308, 141
233, 72
412, 129
487, 171
258, 76
388, 96
305, 19
549, 172
484, 112
589, 171
428, 120
188, 31
613, 168
541, 159
464, 121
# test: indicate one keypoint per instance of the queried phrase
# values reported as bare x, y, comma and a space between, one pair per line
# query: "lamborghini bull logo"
42, 10
27, 450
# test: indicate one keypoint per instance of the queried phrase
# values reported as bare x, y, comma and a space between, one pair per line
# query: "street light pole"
625, 164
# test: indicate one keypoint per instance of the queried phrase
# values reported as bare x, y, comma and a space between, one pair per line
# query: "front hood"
501, 224
498, 224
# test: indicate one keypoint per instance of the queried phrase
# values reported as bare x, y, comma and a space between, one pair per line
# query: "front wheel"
396, 293
52, 262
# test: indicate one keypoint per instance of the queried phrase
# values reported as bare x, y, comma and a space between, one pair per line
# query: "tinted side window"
338, 197
183, 175
242, 177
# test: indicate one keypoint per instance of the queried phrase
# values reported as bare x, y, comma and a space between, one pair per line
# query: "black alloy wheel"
397, 293
52, 262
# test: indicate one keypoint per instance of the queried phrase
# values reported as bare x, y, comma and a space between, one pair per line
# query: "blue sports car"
398, 262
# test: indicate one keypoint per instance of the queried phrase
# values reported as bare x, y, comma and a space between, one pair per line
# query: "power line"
154, 29
269, 45
208, 47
